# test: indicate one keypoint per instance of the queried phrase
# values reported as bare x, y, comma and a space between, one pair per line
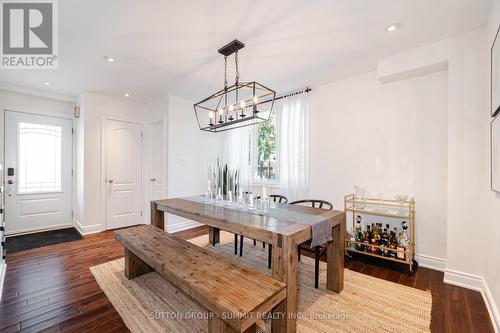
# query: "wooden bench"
236, 295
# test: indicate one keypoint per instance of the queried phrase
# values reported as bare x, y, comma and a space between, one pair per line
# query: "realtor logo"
29, 34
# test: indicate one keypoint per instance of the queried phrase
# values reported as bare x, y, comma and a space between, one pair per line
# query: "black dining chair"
318, 251
275, 198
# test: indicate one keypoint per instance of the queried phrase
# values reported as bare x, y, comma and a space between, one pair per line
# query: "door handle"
10, 182
153, 179
110, 181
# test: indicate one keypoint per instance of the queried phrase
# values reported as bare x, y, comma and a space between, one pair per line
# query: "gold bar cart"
389, 208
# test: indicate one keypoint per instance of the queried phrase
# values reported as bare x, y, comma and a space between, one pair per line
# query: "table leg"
213, 235
335, 260
157, 216
284, 268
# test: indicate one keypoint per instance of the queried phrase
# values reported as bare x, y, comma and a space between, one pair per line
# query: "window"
267, 151
39, 158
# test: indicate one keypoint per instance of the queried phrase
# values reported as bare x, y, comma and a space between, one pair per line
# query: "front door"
37, 172
123, 173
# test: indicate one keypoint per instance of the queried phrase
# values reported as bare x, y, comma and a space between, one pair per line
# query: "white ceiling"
166, 47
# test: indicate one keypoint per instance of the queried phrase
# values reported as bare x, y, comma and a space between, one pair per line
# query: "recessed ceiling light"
109, 59
47, 83
126, 94
393, 27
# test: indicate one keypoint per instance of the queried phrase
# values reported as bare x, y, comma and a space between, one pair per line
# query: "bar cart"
402, 209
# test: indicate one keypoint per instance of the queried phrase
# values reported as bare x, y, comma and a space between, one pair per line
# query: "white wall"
188, 151
492, 227
472, 209
95, 108
386, 138
23, 102
466, 136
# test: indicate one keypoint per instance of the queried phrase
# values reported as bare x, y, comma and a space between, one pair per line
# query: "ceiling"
170, 47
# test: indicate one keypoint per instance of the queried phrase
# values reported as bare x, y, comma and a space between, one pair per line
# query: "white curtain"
240, 151
293, 127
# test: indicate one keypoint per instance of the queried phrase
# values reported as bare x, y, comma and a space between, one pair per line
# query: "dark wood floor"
51, 289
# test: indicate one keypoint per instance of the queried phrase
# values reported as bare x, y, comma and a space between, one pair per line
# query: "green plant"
266, 144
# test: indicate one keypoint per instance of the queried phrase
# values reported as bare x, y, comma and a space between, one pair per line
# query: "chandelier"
241, 104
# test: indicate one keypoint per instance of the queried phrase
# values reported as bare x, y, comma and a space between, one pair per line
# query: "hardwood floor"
51, 289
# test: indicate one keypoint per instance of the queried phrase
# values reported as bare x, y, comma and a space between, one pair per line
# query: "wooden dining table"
284, 236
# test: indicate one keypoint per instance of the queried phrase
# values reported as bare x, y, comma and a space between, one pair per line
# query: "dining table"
283, 234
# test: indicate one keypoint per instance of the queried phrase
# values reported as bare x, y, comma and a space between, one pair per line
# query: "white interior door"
157, 180
123, 173
37, 172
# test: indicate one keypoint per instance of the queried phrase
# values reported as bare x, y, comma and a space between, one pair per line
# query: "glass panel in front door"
39, 169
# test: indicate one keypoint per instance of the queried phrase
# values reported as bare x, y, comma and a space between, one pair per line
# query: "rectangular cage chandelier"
241, 104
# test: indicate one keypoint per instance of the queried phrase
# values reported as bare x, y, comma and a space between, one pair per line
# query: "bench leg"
213, 235
134, 266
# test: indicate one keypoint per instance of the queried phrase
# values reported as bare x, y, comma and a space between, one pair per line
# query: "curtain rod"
307, 90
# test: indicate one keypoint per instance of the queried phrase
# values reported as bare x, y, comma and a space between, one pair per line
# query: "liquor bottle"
351, 237
359, 233
404, 225
401, 247
384, 241
393, 244
359, 238
366, 238
374, 239
406, 238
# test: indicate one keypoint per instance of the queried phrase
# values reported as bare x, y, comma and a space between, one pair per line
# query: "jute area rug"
150, 304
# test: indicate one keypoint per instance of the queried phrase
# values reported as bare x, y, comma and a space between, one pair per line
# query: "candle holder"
251, 201
229, 198
219, 198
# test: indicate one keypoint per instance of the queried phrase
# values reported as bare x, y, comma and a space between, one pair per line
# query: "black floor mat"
39, 239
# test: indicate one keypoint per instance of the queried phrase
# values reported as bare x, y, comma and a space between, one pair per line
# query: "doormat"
40, 239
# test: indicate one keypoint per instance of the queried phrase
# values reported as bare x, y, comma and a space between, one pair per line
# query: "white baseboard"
3, 270
182, 226
438, 264
491, 305
87, 229
463, 280
476, 283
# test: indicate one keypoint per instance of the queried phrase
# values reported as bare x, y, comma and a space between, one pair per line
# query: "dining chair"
318, 251
275, 198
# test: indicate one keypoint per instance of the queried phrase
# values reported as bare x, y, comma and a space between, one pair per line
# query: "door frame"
149, 137
103, 200
150, 154
73, 150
